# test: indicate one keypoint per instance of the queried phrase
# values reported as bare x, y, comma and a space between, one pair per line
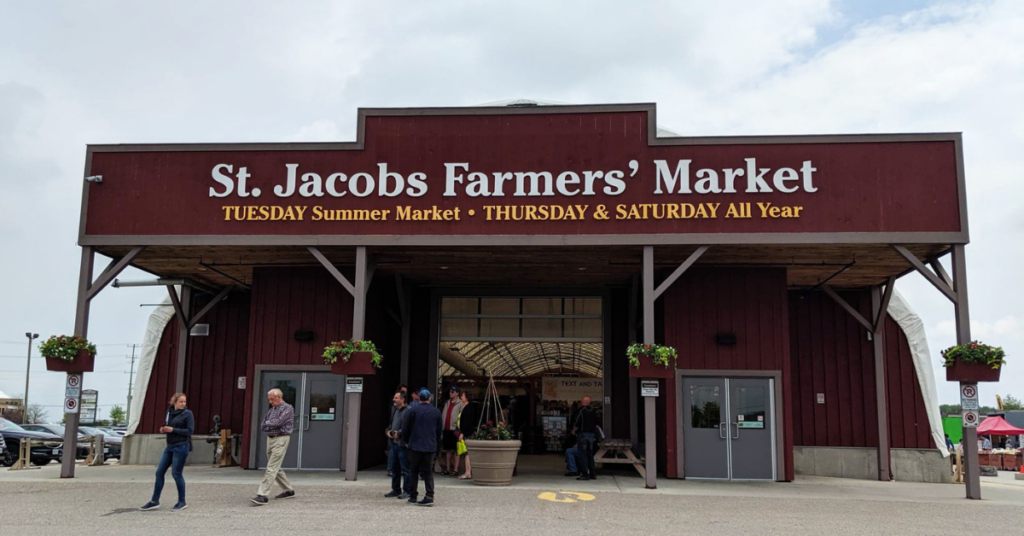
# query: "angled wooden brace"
112, 270
679, 271
935, 280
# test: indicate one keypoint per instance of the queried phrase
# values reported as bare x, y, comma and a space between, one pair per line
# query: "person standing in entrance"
391, 466
178, 425
449, 441
278, 426
421, 431
585, 428
466, 422
398, 457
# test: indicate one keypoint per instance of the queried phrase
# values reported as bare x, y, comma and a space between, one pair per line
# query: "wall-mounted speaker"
726, 339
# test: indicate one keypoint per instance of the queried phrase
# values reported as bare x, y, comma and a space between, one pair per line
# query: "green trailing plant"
659, 355
345, 349
974, 352
65, 347
493, 432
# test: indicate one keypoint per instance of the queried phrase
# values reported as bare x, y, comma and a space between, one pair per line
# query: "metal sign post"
969, 406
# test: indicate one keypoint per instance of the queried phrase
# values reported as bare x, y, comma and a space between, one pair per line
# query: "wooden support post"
186, 308
67, 465
650, 410
634, 409
405, 305
878, 349
353, 401
972, 470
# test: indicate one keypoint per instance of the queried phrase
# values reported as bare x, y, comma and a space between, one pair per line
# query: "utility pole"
28, 369
131, 376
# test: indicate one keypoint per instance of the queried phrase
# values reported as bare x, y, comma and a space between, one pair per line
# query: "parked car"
58, 429
41, 454
114, 430
111, 442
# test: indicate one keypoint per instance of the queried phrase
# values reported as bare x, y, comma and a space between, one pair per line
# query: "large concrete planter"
493, 461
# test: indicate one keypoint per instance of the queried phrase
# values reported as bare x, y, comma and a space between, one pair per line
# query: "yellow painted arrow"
569, 496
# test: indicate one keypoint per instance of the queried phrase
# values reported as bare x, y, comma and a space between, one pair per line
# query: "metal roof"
522, 359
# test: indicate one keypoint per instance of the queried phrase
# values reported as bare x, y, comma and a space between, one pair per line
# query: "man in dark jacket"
585, 428
422, 431
398, 456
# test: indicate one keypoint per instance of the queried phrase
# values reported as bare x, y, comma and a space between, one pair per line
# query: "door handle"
721, 430
737, 436
305, 426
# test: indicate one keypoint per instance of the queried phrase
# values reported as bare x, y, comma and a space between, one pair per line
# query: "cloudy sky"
74, 73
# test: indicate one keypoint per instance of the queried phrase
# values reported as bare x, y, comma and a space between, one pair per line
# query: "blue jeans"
586, 446
174, 457
570, 458
399, 459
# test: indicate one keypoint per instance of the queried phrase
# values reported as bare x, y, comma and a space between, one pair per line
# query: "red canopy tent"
998, 426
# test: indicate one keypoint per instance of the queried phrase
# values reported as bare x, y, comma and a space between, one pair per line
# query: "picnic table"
610, 450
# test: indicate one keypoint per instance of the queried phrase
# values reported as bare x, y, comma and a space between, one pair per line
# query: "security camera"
94, 178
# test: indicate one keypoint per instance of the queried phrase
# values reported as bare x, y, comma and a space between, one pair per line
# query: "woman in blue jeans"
178, 425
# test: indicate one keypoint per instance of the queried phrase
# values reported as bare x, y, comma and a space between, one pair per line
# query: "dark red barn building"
534, 245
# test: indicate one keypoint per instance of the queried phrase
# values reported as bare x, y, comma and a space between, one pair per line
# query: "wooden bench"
609, 451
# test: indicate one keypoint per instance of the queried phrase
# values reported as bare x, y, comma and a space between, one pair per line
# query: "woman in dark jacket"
467, 427
178, 425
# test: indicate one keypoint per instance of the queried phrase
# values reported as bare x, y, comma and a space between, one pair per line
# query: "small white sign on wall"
241, 382
821, 398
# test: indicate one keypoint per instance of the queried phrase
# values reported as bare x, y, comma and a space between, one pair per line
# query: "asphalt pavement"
105, 501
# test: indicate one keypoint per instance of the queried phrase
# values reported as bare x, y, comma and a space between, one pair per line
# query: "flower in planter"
974, 352
65, 347
658, 354
345, 349
492, 432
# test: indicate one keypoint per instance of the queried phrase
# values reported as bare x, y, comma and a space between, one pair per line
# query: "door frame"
779, 428
254, 418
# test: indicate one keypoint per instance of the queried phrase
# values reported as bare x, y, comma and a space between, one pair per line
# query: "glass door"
705, 428
322, 421
752, 442
318, 401
728, 428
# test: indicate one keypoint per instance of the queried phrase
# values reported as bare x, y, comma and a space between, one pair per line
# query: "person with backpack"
179, 423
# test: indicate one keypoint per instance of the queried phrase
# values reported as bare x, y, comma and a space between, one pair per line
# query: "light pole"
28, 369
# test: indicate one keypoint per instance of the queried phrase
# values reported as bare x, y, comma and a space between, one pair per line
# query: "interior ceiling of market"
520, 358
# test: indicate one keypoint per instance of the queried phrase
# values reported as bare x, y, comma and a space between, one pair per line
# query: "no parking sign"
969, 404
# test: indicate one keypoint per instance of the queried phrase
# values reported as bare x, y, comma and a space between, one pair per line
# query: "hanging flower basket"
353, 358
973, 362
651, 361
68, 353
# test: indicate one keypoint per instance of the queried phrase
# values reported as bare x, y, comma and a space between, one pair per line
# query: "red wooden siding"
750, 303
832, 355
161, 381
214, 363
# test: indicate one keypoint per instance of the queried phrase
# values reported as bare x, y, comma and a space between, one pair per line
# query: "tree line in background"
37, 414
1010, 402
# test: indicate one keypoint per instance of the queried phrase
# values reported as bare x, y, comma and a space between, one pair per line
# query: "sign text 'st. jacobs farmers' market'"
682, 177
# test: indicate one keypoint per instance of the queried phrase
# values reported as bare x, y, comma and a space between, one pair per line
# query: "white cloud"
100, 72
